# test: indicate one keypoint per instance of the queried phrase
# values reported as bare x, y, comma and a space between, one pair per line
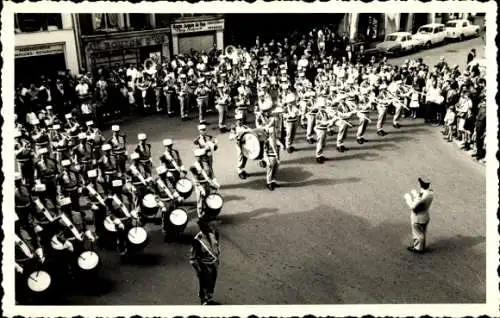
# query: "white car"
399, 42
461, 29
431, 34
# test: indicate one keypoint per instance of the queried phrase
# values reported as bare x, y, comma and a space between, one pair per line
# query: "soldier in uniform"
202, 93
47, 171
271, 155
237, 131
382, 105
202, 181
60, 143
95, 137
50, 118
168, 196
209, 144
323, 122
137, 175
24, 208
24, 157
39, 135
292, 114
183, 97
311, 114
108, 167
144, 151
97, 197
118, 144
223, 101
120, 200
419, 204
171, 159
72, 128
243, 100
343, 113
69, 183
205, 254
363, 113
83, 155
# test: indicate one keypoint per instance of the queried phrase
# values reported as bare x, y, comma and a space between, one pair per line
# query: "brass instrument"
149, 67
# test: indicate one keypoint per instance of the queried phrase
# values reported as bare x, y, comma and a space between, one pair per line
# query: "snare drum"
137, 237
39, 281
109, 225
213, 203
185, 187
88, 261
149, 205
177, 221
252, 144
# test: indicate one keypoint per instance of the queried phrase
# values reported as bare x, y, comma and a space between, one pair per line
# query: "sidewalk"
458, 145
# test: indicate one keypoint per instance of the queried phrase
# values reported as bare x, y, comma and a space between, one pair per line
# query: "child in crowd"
414, 101
449, 123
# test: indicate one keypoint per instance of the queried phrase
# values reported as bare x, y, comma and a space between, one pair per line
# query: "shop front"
197, 34
33, 61
126, 48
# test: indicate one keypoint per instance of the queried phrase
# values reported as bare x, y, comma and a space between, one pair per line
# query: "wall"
66, 36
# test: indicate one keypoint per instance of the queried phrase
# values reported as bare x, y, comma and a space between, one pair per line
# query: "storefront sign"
37, 50
131, 42
197, 26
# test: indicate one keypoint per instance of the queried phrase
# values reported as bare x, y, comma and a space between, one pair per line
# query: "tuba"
149, 66
232, 53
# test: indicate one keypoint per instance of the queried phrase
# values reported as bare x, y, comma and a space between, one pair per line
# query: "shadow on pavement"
318, 182
332, 157
143, 259
393, 138
287, 174
453, 244
375, 146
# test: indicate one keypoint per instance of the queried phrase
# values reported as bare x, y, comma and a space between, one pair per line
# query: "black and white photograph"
249, 157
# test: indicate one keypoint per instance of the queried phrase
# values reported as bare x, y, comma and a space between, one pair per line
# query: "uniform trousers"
200, 199
341, 134
419, 233
202, 107
165, 219
311, 121
222, 110
183, 105
363, 123
244, 113
321, 142
121, 162
272, 168
148, 166
397, 114
291, 129
27, 171
242, 160
75, 198
169, 100
207, 276
382, 113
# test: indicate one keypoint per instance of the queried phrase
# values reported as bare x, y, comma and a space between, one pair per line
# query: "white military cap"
320, 102
201, 80
266, 105
89, 123
48, 107
43, 151
65, 201
182, 75
202, 127
301, 74
92, 173
142, 136
161, 170
17, 133
283, 71
264, 72
56, 126
290, 98
117, 183
68, 116
66, 163
220, 85
242, 78
134, 156
199, 152
167, 142
238, 116
35, 121
82, 136
320, 70
17, 176
115, 128
40, 187
106, 147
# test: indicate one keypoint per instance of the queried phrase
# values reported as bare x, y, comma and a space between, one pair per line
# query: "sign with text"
197, 26
131, 42
38, 50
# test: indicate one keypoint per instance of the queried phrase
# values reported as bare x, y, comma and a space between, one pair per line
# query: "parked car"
398, 42
461, 29
431, 34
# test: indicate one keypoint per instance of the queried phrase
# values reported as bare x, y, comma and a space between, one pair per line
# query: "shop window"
163, 20
36, 22
106, 21
139, 21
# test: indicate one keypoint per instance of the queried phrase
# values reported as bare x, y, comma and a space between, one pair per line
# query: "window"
451, 24
105, 21
36, 22
139, 21
163, 20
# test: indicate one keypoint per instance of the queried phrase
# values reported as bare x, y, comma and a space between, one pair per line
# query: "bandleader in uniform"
419, 204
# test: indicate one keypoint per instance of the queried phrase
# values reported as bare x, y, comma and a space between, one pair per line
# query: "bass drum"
177, 221
149, 205
137, 238
213, 203
88, 261
39, 282
252, 144
184, 187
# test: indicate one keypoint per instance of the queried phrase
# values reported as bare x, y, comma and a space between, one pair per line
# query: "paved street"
334, 233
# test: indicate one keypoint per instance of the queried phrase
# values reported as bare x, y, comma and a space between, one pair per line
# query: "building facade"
45, 44
197, 33
118, 39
